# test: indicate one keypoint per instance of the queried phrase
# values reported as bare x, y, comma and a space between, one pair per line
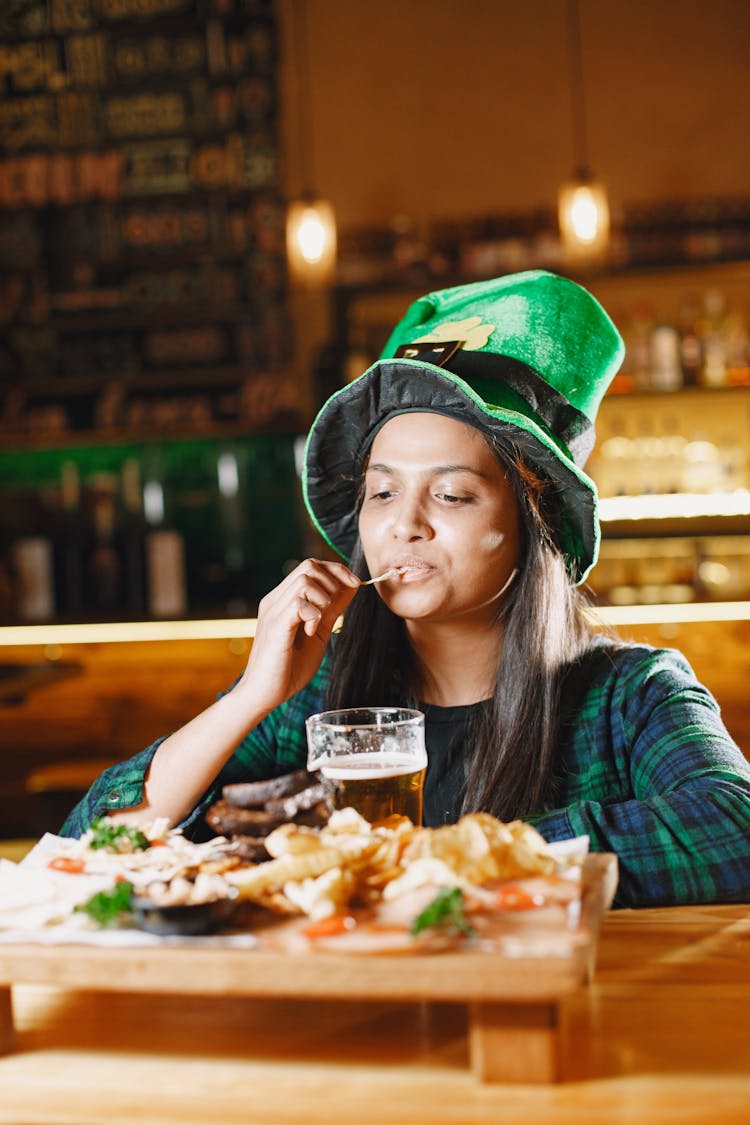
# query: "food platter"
516, 1003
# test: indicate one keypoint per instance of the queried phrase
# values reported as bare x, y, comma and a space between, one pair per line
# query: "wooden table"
662, 1035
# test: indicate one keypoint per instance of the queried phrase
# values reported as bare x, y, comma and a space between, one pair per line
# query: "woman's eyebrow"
378, 467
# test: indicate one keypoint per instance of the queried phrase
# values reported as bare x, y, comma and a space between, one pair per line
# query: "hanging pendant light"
310, 240
584, 215
310, 221
583, 209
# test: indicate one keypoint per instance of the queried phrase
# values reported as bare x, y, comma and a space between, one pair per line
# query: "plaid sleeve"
119, 787
276, 746
678, 814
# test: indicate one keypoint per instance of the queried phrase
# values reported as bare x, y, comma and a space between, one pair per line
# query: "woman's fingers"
320, 601
311, 612
329, 576
316, 592
295, 622
323, 584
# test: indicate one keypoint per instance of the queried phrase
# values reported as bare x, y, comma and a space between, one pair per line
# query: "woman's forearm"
294, 627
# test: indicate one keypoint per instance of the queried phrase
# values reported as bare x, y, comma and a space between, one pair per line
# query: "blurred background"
211, 214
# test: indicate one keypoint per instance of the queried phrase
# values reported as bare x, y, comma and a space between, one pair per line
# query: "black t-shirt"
447, 734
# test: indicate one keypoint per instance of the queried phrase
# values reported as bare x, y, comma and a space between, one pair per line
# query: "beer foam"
369, 767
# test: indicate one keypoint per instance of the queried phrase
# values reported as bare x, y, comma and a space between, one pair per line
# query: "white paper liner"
37, 903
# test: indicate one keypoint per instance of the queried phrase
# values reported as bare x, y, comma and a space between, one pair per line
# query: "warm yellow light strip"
667, 614
682, 505
244, 627
107, 632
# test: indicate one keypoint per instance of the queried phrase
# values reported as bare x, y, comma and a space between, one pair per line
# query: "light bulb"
311, 241
584, 217
311, 237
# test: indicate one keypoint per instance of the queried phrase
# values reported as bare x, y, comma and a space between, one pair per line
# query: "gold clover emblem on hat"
471, 331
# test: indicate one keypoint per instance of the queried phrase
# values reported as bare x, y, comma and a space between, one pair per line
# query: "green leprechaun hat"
527, 357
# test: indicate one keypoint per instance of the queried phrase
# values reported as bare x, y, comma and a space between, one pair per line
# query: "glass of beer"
375, 756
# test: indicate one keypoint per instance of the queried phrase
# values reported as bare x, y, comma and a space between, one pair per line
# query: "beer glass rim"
407, 717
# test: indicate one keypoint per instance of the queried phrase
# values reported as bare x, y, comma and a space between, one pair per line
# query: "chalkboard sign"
142, 269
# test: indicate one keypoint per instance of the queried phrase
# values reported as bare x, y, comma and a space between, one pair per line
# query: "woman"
455, 463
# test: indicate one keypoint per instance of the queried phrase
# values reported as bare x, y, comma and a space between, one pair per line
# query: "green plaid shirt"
647, 770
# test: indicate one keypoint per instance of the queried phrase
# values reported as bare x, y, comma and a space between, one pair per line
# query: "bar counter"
661, 1035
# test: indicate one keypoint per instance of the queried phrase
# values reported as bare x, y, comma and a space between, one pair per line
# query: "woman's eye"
449, 498
381, 494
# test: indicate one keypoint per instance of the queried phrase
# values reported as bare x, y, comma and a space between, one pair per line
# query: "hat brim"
346, 425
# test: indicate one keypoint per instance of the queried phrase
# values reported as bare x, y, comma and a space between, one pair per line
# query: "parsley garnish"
117, 837
446, 911
105, 907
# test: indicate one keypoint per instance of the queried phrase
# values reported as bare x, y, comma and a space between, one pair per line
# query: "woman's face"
437, 499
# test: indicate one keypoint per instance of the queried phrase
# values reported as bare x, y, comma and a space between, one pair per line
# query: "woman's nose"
410, 520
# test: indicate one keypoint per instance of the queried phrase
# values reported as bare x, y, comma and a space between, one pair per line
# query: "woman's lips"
411, 569
415, 573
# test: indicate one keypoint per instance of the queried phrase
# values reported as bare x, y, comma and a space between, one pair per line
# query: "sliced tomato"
67, 863
511, 897
329, 927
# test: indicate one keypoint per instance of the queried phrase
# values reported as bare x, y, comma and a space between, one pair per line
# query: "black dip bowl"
183, 921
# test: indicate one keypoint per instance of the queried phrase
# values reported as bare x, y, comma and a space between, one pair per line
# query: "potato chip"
293, 839
347, 822
323, 896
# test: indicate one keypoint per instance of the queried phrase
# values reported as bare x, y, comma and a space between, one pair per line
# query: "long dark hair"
509, 764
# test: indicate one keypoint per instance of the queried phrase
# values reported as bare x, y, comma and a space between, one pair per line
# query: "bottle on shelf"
713, 371
691, 353
232, 520
132, 539
32, 559
103, 569
664, 359
165, 553
639, 346
738, 349
71, 545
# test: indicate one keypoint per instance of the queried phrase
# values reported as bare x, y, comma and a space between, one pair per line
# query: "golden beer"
375, 756
378, 785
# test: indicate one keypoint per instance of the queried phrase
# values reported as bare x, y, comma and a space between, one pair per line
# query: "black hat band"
568, 425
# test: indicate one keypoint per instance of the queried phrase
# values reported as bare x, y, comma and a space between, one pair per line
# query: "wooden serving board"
515, 1003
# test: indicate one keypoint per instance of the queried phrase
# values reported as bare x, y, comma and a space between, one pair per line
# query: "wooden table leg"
515, 1042
7, 1034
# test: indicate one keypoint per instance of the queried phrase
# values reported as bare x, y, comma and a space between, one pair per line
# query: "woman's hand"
294, 626
295, 621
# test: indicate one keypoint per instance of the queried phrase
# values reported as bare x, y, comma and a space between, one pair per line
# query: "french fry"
376, 880
289, 868
254, 881
276, 902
